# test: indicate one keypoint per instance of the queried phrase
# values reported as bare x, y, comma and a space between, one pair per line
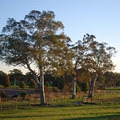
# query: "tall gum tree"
94, 57
37, 40
80, 59
101, 61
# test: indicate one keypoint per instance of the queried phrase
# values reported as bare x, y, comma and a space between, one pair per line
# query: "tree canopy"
37, 40
93, 56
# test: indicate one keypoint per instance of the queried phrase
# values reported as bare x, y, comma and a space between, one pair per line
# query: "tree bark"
40, 83
91, 88
74, 89
41, 87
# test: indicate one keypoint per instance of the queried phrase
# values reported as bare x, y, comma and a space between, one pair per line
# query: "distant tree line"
17, 79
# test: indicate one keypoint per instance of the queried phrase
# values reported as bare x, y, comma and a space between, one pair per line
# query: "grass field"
105, 106
86, 112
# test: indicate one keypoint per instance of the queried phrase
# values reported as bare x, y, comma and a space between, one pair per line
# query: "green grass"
113, 89
106, 106
85, 112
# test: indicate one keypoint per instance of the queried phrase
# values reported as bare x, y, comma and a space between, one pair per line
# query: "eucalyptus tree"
80, 58
94, 57
38, 43
101, 58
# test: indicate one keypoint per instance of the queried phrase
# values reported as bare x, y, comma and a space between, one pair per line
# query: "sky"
98, 17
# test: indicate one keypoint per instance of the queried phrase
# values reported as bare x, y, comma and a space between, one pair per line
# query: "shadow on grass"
42, 117
107, 117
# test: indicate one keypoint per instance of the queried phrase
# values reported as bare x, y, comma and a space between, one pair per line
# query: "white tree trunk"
41, 87
74, 89
91, 88
40, 83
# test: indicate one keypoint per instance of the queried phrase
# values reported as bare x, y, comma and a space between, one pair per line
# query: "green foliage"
29, 76
16, 71
54, 81
93, 56
23, 95
3, 94
4, 79
111, 79
59, 82
32, 83
16, 76
42, 42
22, 85
37, 40
55, 89
6, 82
47, 84
78, 89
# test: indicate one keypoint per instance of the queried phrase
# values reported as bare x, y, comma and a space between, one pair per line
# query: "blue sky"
98, 17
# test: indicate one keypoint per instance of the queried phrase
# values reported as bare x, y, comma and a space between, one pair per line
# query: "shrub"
55, 89
23, 95
22, 85
32, 83
4, 94
78, 89
47, 84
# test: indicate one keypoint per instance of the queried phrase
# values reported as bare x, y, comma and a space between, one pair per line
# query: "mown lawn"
105, 106
85, 112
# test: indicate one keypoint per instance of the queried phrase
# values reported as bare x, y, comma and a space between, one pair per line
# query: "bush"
32, 83
47, 84
24, 96
48, 89
67, 88
78, 89
22, 85
55, 89
4, 94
